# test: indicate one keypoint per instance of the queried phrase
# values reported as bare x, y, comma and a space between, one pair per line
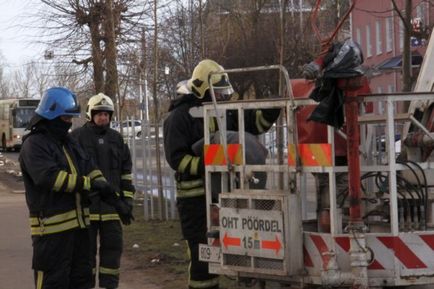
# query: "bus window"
22, 117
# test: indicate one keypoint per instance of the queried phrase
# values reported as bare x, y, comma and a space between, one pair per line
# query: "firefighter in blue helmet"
58, 176
182, 129
112, 156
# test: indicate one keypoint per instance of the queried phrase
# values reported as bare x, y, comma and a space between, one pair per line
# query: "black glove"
105, 191
128, 202
125, 212
108, 195
311, 70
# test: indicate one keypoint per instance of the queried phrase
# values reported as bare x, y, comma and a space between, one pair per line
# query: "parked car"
128, 126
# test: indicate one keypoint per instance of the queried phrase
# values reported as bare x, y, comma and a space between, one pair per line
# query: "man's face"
101, 118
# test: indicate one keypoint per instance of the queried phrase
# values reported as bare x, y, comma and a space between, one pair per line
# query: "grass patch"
161, 250
162, 253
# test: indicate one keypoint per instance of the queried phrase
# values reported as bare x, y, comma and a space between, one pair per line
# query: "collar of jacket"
189, 99
41, 127
99, 130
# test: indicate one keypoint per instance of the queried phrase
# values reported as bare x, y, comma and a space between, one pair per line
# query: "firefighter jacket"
57, 176
182, 129
112, 156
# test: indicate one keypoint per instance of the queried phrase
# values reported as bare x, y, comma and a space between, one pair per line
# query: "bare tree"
22, 82
254, 33
40, 77
406, 57
92, 32
4, 83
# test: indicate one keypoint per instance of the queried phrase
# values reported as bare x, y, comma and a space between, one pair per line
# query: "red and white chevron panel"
408, 254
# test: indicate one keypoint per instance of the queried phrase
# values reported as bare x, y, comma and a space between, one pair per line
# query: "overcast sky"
15, 44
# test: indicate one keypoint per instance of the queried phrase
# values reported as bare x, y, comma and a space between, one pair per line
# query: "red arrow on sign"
231, 241
272, 245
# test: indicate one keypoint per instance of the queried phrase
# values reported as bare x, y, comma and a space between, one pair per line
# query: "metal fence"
158, 202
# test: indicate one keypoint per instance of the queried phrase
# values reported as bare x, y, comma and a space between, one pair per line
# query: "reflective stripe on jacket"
55, 176
58, 223
182, 130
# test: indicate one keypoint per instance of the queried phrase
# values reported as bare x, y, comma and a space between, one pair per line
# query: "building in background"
378, 28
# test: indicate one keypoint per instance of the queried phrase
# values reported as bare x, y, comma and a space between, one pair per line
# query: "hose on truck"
412, 197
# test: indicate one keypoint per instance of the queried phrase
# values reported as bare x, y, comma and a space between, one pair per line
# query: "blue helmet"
58, 101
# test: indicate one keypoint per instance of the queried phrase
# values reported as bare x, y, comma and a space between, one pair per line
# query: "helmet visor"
223, 94
223, 88
72, 107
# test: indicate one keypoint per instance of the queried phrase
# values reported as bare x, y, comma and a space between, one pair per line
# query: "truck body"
379, 231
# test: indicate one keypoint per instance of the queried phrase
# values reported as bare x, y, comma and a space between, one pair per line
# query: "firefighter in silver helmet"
112, 156
182, 129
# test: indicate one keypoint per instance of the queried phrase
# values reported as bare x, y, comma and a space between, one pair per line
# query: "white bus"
15, 115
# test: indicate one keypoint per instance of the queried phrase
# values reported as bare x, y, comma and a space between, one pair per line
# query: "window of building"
420, 12
380, 103
389, 34
358, 36
368, 41
401, 35
390, 88
381, 107
378, 42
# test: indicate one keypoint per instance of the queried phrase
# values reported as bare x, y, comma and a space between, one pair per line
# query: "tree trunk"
406, 53
98, 78
111, 81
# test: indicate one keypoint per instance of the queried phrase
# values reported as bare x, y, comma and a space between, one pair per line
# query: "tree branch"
84, 62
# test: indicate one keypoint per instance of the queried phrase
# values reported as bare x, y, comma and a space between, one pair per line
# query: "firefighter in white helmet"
182, 129
112, 156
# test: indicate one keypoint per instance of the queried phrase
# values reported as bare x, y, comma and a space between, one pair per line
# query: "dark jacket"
57, 176
182, 130
112, 156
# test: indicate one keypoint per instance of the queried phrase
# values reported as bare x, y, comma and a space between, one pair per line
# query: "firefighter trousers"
198, 271
192, 214
109, 235
62, 260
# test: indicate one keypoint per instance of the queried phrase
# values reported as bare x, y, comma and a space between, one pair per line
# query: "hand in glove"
311, 70
125, 212
108, 195
128, 202
105, 191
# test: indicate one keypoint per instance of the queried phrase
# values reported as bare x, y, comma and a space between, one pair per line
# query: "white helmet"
182, 87
199, 82
99, 102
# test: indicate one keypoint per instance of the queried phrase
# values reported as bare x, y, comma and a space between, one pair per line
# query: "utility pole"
161, 200
144, 106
